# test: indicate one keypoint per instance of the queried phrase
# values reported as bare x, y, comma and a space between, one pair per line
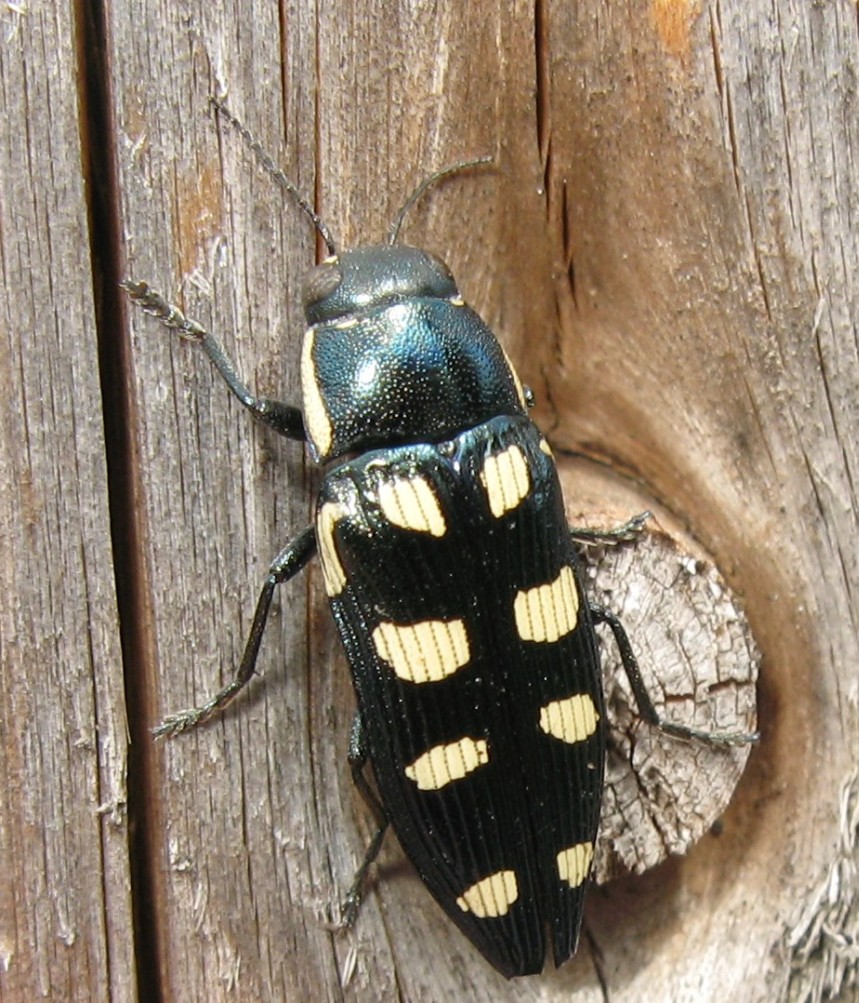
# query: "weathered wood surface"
669, 250
65, 895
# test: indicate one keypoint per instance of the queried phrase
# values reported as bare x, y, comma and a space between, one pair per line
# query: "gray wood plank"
668, 250
65, 896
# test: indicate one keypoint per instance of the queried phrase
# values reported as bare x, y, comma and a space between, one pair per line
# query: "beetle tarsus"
628, 532
185, 720
351, 904
683, 731
152, 302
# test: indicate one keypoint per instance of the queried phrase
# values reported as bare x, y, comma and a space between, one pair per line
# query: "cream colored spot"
547, 612
411, 503
316, 418
423, 652
492, 896
574, 863
506, 480
332, 569
456, 300
443, 764
546, 448
572, 719
520, 392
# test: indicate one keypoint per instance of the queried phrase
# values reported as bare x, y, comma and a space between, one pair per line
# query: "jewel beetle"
454, 583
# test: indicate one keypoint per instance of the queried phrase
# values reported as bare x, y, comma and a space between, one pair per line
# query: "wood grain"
65, 893
668, 248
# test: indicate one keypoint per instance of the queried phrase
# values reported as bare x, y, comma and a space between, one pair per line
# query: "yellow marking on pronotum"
547, 612
423, 652
411, 503
443, 764
572, 719
546, 448
316, 418
520, 390
492, 896
332, 568
574, 863
505, 479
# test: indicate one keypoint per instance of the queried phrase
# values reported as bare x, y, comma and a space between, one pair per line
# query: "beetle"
454, 582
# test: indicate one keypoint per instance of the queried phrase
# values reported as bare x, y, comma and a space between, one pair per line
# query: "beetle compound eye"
324, 280
444, 272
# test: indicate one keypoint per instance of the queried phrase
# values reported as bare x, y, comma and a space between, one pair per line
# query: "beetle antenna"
462, 165
276, 173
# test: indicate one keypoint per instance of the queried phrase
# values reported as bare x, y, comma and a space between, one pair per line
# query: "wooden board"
66, 928
668, 250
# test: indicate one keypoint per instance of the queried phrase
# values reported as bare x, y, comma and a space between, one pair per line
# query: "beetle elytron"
453, 579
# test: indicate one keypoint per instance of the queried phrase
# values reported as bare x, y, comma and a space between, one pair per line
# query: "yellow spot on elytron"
316, 418
411, 503
574, 863
572, 719
506, 480
443, 764
456, 300
492, 896
546, 448
423, 652
520, 392
332, 569
547, 612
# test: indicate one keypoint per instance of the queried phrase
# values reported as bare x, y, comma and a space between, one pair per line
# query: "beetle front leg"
642, 698
286, 565
283, 418
358, 754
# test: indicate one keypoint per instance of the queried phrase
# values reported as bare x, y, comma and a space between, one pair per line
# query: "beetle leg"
645, 705
283, 418
627, 532
286, 565
357, 761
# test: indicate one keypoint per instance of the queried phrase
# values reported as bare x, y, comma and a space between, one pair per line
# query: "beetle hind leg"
642, 698
358, 754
